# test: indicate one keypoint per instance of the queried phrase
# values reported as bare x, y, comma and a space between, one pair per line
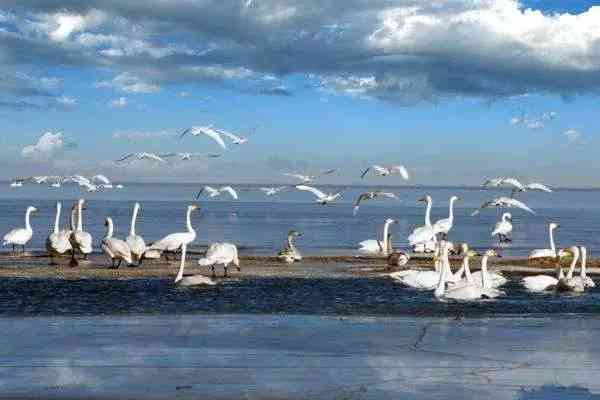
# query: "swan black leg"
213, 271
119, 264
225, 271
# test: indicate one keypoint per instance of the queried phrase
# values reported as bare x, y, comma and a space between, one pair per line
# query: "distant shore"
344, 266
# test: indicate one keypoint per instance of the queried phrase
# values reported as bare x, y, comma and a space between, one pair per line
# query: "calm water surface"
258, 224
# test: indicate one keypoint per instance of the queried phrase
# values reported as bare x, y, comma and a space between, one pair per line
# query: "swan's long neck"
290, 242
27, 214
181, 265
136, 208
441, 287
467, 270
451, 209
583, 261
57, 217
109, 228
73, 223
428, 213
189, 221
385, 242
79, 216
573, 264
551, 232
485, 283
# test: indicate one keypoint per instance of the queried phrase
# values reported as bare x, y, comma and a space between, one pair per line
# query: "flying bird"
142, 156
322, 198
188, 156
206, 131
370, 196
234, 138
385, 171
271, 191
212, 192
503, 202
309, 178
516, 185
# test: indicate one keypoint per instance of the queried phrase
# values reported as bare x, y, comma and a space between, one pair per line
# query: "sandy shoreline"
37, 266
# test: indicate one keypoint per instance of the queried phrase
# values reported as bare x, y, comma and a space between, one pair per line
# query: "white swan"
423, 279
322, 198
212, 192
134, 241
570, 283
81, 240
423, 234
176, 241
207, 131
465, 289
503, 202
386, 171
374, 246
57, 243
306, 179
221, 254
20, 236
142, 156
546, 253
503, 228
116, 249
290, 252
192, 280
540, 283
443, 226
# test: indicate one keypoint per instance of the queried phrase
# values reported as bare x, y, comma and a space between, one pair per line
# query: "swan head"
454, 198
569, 252
426, 198
466, 252
193, 207
294, 233
107, 221
391, 221
31, 209
507, 216
554, 226
492, 253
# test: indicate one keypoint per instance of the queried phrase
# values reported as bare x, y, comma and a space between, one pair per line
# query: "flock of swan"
91, 184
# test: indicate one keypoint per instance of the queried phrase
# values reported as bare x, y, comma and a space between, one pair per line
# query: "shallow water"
324, 296
258, 224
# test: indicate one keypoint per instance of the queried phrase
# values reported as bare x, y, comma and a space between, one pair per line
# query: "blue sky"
457, 91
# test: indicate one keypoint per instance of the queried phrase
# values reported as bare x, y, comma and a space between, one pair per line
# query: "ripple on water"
339, 296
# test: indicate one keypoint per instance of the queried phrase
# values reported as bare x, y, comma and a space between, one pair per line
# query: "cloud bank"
46, 147
404, 51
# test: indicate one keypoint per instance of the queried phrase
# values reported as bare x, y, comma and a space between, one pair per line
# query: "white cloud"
121, 102
46, 147
66, 101
129, 83
572, 135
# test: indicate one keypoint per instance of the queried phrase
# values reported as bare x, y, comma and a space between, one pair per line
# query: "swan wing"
400, 169
229, 190
538, 186
229, 135
365, 172
518, 204
370, 246
214, 135
311, 189
127, 157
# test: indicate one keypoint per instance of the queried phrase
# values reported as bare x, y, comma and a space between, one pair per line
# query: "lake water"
258, 224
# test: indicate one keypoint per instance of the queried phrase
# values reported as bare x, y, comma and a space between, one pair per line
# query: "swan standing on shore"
116, 249
423, 234
134, 241
503, 228
322, 198
221, 254
57, 243
443, 226
81, 240
20, 236
546, 253
290, 252
175, 241
570, 283
374, 246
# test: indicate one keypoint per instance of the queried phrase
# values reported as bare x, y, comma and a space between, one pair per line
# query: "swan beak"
422, 199
394, 221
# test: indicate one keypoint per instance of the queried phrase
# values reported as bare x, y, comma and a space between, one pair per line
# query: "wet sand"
98, 267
